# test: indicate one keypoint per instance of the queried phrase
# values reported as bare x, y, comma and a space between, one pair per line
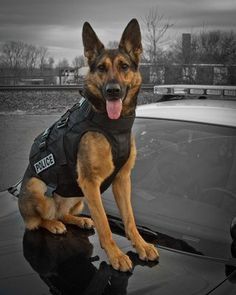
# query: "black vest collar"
123, 124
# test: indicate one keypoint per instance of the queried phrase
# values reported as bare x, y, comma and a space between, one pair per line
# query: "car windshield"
184, 181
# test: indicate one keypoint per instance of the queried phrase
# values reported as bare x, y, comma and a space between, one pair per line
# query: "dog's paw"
147, 252
121, 262
84, 222
54, 226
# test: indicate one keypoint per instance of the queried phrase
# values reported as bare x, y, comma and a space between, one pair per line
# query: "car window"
184, 179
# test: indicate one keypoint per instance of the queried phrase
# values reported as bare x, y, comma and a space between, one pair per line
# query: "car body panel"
203, 111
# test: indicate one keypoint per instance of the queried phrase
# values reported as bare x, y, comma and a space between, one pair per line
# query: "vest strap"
121, 125
63, 121
43, 140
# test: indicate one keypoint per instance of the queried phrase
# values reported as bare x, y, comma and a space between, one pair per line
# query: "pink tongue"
114, 108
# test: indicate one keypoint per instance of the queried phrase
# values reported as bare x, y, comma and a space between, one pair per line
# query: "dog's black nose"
113, 90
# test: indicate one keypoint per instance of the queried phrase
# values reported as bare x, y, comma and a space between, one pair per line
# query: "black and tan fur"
94, 158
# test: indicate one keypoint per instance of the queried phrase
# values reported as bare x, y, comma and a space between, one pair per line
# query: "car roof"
217, 112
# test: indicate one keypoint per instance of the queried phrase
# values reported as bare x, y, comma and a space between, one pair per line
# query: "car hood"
74, 263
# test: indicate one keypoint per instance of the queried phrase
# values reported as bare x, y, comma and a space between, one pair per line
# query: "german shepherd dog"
113, 82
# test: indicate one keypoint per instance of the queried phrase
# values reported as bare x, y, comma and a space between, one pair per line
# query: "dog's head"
113, 81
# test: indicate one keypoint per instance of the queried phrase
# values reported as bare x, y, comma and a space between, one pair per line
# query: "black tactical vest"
53, 154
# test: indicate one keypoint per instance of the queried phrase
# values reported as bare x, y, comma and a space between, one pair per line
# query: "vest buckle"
63, 122
44, 137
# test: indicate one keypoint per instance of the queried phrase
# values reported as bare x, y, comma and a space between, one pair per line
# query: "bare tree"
78, 62
51, 62
19, 57
30, 57
63, 64
13, 55
217, 47
214, 47
155, 26
42, 57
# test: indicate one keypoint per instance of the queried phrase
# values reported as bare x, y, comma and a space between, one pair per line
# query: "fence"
203, 74
27, 80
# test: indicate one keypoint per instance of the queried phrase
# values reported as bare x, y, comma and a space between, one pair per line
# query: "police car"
184, 198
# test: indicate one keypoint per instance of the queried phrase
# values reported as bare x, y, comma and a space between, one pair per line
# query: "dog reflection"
65, 263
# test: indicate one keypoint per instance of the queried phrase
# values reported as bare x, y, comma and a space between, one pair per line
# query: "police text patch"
44, 163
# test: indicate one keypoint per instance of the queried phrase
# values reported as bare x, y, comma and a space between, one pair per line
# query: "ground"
48, 101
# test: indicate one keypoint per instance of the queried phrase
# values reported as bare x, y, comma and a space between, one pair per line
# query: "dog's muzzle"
113, 91
113, 94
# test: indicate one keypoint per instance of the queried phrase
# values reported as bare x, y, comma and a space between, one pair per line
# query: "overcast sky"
57, 24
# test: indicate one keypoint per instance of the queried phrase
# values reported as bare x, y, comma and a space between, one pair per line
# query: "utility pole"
186, 47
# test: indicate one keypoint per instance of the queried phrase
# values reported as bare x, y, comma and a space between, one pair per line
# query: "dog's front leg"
117, 258
93, 166
122, 191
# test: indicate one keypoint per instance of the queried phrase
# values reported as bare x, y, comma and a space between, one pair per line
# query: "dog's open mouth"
114, 108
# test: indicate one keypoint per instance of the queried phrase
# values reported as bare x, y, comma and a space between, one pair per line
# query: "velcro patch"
44, 163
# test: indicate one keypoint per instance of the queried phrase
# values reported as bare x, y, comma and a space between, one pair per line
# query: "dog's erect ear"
131, 40
92, 45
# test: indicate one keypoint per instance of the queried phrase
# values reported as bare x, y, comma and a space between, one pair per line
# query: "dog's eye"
101, 68
124, 67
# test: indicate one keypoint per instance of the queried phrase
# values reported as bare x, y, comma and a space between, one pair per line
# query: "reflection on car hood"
74, 263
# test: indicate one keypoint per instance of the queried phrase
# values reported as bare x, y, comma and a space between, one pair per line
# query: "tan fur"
122, 192
94, 161
37, 208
